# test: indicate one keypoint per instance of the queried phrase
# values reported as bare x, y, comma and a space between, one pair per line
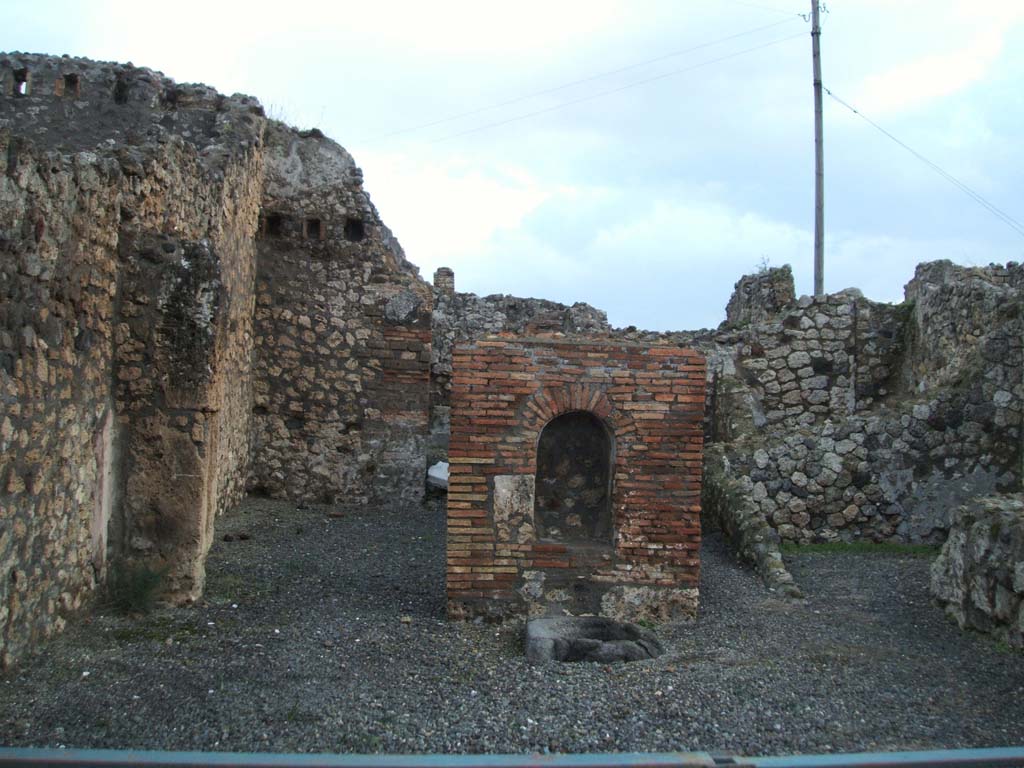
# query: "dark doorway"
574, 458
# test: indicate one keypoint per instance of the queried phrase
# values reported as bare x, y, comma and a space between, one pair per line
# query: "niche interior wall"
575, 479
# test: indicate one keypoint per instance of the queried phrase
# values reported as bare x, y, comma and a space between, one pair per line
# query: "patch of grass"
862, 548
153, 628
226, 586
1004, 647
135, 587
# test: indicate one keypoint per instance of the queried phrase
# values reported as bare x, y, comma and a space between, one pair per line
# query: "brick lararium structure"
575, 479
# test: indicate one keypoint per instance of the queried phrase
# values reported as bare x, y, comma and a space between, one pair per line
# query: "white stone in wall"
437, 475
513, 508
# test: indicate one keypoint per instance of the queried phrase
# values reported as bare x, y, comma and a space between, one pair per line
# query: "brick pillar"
444, 281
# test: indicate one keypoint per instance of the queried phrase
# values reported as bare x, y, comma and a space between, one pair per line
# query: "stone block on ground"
979, 574
588, 638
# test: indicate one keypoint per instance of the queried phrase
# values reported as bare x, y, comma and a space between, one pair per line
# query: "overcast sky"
646, 199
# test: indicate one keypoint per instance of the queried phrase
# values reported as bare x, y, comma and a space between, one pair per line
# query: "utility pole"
819, 159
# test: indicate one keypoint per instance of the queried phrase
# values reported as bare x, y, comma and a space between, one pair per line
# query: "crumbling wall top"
313, 194
74, 104
760, 296
965, 321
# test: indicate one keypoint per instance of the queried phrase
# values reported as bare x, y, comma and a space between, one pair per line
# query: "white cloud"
649, 261
447, 210
923, 80
689, 231
927, 50
457, 27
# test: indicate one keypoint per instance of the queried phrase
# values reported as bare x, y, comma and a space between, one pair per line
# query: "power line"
621, 88
976, 196
766, 8
572, 83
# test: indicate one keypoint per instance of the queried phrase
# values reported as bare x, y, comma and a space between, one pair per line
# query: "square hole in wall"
70, 86
21, 81
355, 230
121, 90
273, 225
313, 229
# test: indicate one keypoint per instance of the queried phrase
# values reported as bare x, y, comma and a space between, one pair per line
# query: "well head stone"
588, 638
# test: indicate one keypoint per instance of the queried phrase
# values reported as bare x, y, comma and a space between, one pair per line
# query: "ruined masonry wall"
964, 321
851, 419
461, 317
196, 300
979, 574
756, 298
58, 232
184, 353
125, 328
143, 387
343, 337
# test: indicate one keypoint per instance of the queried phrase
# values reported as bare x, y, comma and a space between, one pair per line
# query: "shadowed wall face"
573, 462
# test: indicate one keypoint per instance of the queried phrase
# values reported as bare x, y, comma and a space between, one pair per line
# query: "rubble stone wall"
343, 336
727, 507
126, 252
164, 346
183, 363
58, 273
979, 574
964, 321
848, 419
197, 301
131, 250
756, 298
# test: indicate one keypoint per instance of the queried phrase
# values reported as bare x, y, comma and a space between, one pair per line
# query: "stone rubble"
979, 574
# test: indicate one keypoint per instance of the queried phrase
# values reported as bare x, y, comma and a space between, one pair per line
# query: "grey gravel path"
324, 634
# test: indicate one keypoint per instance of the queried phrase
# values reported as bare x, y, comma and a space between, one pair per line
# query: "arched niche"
573, 482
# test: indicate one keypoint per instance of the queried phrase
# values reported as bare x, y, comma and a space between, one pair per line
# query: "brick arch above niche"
548, 403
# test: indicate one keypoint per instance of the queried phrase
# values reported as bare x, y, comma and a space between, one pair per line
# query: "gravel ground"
327, 634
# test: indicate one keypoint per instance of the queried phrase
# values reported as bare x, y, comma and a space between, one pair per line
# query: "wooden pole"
819, 159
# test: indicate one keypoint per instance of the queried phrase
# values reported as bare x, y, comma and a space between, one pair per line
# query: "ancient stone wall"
846, 418
196, 301
183, 364
134, 254
343, 336
126, 252
726, 506
820, 358
979, 575
964, 321
58, 270
756, 298
504, 394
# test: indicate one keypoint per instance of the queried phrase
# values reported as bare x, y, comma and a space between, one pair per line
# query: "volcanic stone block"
588, 638
513, 508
